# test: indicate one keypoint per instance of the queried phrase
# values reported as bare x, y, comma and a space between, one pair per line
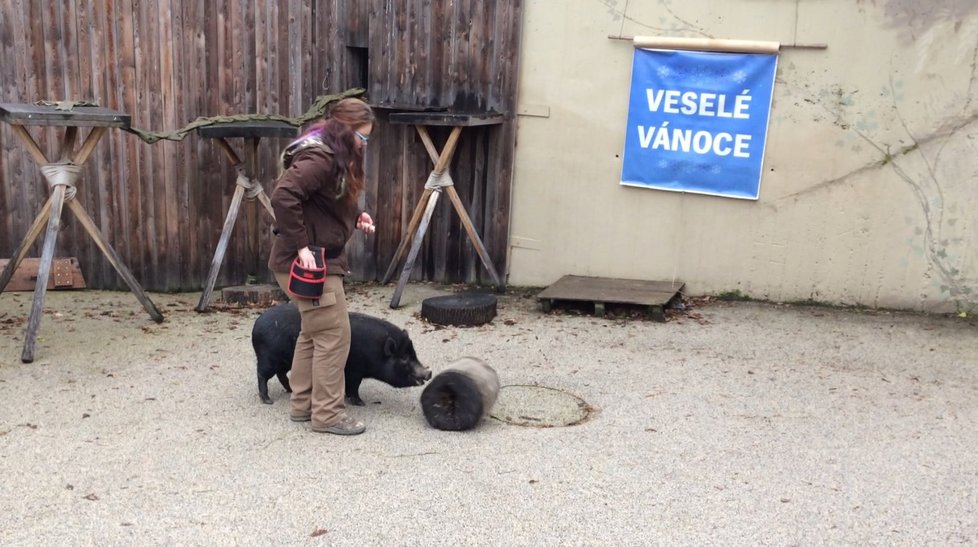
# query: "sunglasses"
363, 138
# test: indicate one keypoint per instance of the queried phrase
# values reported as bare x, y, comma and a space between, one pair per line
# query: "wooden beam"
68, 144
90, 141
448, 151
235, 160
25, 244
428, 143
474, 237
32, 148
109, 252
222, 246
412, 226
43, 272
415, 247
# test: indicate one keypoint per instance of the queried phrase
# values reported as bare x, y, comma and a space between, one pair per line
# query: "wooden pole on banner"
713, 44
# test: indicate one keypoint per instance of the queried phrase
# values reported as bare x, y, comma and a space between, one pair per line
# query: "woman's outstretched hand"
365, 223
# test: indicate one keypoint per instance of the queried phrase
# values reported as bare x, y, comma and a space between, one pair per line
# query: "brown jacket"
307, 212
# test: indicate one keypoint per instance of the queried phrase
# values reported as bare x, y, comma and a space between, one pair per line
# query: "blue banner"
697, 121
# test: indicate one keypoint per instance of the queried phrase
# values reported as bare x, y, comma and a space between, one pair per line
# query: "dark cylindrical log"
459, 397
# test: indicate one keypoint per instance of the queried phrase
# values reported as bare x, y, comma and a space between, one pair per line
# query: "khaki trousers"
317, 378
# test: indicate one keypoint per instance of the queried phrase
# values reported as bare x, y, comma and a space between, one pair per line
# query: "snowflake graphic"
739, 76
663, 72
715, 169
703, 75
663, 164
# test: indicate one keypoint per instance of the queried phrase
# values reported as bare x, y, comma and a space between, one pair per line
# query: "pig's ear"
389, 347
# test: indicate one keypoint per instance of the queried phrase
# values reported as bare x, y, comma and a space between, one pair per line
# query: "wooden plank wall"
166, 62
461, 56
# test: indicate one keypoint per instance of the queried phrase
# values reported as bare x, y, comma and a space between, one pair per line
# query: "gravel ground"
731, 424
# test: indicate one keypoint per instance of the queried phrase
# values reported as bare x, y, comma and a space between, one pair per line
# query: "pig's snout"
421, 375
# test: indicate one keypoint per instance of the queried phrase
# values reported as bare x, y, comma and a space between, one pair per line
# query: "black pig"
378, 349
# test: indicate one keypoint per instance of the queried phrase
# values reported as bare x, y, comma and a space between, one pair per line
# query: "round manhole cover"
539, 406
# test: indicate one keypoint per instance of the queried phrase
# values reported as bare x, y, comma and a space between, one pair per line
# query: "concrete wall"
870, 186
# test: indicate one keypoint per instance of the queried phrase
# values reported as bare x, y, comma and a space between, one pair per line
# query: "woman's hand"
365, 223
306, 259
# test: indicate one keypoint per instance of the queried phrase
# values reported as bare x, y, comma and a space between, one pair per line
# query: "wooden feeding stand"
246, 186
61, 176
439, 180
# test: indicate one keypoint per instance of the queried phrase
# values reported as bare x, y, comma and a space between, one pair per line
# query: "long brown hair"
336, 130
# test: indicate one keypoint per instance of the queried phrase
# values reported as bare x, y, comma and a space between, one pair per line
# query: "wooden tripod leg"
109, 252
252, 235
32, 148
415, 247
21, 252
412, 226
474, 237
228, 151
90, 141
266, 202
68, 144
222, 246
441, 163
43, 272
448, 151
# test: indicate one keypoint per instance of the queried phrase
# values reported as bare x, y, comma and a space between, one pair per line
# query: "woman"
316, 203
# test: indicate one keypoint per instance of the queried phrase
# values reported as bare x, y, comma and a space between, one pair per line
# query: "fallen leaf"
318, 532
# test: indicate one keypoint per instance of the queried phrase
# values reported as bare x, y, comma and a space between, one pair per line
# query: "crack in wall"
954, 282
925, 26
612, 6
888, 156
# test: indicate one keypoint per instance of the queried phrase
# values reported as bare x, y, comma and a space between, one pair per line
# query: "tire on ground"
461, 310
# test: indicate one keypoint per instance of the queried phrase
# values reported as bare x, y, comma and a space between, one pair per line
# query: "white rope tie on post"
438, 180
62, 174
252, 187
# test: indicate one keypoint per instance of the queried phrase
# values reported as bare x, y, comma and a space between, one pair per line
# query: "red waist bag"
308, 283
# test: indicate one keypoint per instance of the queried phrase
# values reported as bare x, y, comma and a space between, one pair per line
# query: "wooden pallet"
257, 295
65, 274
604, 290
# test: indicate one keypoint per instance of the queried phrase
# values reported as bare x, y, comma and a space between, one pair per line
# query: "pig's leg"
353, 390
284, 378
263, 389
